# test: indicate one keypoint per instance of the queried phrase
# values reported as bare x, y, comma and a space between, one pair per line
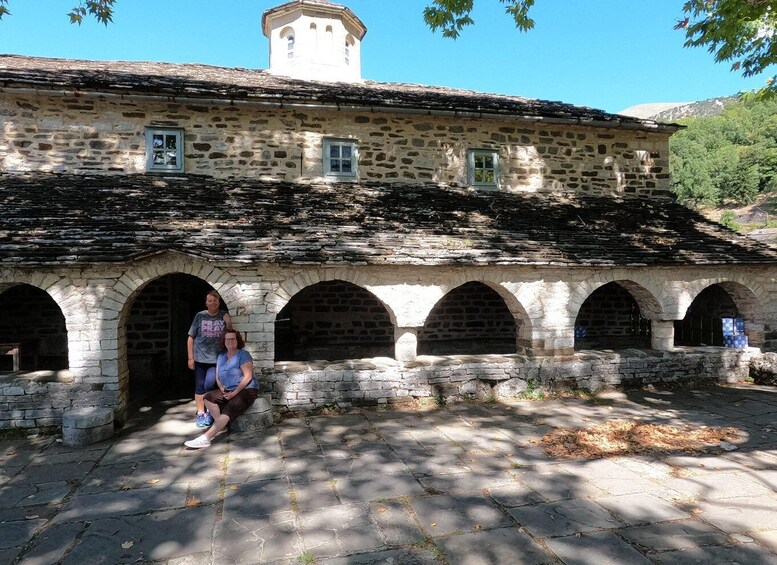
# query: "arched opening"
156, 327
287, 34
333, 320
703, 321
610, 318
349, 43
33, 334
470, 319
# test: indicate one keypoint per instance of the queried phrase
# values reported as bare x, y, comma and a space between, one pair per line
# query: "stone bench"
257, 417
85, 426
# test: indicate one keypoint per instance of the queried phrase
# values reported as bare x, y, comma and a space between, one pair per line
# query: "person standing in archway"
203, 348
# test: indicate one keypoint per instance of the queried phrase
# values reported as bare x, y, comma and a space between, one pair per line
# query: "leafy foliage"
738, 31
727, 158
452, 16
102, 10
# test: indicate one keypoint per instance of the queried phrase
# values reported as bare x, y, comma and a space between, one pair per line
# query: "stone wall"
38, 400
88, 134
299, 387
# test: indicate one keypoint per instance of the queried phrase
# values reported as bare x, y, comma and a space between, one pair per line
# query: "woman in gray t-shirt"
203, 347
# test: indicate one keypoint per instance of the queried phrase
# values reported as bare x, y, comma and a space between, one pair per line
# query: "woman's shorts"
235, 406
204, 377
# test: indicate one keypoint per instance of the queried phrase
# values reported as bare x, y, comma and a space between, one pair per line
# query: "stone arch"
649, 305
288, 288
517, 308
748, 303
333, 319
454, 327
611, 317
117, 302
34, 321
71, 301
748, 297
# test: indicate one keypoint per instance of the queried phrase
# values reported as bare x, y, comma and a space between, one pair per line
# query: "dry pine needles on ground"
624, 437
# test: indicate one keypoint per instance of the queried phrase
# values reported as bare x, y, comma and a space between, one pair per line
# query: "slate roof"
196, 81
75, 219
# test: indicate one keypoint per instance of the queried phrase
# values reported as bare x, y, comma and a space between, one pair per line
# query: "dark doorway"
157, 328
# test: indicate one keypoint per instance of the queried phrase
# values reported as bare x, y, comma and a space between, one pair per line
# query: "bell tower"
314, 40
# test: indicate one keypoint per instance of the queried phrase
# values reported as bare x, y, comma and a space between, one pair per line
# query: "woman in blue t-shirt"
236, 391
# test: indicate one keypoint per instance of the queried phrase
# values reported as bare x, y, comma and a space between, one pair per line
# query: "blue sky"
608, 54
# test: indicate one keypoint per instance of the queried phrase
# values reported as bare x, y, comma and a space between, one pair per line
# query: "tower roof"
320, 6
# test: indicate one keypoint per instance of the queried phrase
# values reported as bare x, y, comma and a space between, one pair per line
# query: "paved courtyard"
466, 484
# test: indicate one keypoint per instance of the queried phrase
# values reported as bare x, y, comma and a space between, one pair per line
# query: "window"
483, 168
349, 42
340, 158
290, 47
164, 149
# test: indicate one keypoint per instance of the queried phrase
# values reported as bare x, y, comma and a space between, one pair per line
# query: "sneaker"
202, 420
208, 419
198, 442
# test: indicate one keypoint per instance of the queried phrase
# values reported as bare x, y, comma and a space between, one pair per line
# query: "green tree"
102, 10
727, 158
741, 32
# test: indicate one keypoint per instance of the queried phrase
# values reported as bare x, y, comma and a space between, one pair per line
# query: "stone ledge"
85, 426
258, 416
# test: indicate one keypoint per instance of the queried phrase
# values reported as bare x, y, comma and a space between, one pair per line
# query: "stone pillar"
405, 343
662, 335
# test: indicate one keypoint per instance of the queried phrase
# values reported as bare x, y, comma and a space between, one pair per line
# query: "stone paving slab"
152, 537
395, 523
503, 545
641, 508
52, 545
442, 515
749, 554
261, 539
339, 530
108, 504
598, 548
563, 518
387, 557
463, 484
681, 535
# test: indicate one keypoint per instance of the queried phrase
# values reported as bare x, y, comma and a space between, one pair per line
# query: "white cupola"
314, 40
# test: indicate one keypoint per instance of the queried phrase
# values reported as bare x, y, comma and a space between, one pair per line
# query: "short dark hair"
240, 343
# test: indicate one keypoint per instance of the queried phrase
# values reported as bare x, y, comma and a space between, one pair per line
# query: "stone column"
662, 334
405, 343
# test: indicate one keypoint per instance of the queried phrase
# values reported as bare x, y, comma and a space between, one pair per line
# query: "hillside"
673, 111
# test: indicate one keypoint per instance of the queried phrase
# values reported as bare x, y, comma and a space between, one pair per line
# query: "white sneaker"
198, 442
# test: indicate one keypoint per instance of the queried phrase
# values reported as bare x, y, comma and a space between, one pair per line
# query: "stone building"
376, 242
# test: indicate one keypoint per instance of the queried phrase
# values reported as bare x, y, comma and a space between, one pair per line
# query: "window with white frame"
483, 168
340, 158
164, 149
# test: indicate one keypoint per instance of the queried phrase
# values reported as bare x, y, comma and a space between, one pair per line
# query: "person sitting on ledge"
236, 390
